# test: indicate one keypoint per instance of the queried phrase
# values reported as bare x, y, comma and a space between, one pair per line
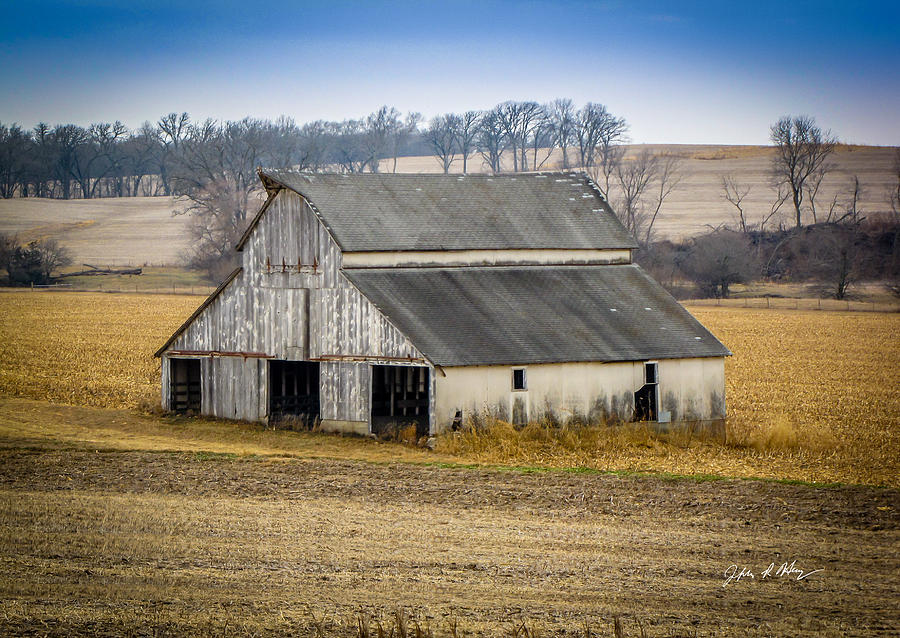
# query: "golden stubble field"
118, 523
812, 396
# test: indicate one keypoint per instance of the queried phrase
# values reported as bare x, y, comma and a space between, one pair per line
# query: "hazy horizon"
704, 73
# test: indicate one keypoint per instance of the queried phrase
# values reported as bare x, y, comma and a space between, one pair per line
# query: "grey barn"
368, 300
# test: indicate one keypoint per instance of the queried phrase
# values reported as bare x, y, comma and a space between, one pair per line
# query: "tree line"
212, 166
166, 157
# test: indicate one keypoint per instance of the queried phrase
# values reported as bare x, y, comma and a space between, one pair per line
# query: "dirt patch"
155, 543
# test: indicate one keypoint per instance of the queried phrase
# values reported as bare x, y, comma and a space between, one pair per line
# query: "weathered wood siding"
344, 390
290, 234
344, 323
234, 387
244, 318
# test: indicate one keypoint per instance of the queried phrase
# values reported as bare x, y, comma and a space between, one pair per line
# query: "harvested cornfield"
86, 348
812, 395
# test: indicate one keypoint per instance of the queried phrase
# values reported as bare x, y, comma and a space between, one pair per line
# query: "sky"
717, 72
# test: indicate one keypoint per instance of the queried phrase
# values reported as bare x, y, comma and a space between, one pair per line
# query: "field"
116, 231
118, 521
809, 393
144, 231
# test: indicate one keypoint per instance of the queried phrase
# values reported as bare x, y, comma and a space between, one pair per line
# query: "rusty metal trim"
363, 357
219, 353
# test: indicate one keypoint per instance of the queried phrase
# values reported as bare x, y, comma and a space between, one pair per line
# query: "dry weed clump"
780, 433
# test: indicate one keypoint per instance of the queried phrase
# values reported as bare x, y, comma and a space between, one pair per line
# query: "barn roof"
520, 315
390, 212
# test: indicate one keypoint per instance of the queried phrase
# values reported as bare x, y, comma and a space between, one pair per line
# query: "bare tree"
667, 177
519, 120
606, 159
441, 135
219, 213
380, 127
66, 141
845, 205
735, 193
172, 130
347, 148
633, 177
894, 191
401, 134
801, 154
33, 263
492, 139
8, 244
466, 133
562, 120
106, 159
542, 137
596, 127
14, 148
216, 172
43, 162
600, 136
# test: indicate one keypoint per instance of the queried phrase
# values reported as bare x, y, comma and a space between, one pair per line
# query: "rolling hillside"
143, 230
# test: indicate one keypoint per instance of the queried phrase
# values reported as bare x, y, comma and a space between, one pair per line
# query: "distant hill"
143, 230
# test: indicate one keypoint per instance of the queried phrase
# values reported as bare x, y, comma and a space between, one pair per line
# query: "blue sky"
679, 72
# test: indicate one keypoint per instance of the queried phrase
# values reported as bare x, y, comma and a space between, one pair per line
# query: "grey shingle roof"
520, 315
388, 212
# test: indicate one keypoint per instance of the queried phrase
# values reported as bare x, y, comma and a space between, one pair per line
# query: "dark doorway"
400, 397
185, 385
294, 390
645, 408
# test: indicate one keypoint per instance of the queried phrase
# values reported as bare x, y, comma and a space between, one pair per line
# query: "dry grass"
117, 523
182, 544
126, 230
810, 395
86, 348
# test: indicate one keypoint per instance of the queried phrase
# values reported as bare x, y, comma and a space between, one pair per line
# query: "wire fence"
787, 303
776, 303
121, 287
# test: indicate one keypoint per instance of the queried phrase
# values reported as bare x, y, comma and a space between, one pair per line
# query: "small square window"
518, 379
650, 373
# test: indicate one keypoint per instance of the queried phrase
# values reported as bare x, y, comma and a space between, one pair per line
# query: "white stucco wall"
690, 389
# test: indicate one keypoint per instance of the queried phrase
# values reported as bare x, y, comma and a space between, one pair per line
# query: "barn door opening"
293, 390
400, 397
185, 385
645, 399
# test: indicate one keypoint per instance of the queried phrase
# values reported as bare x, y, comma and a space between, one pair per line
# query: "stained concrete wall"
690, 389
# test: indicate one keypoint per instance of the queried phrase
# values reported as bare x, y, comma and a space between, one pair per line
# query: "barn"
370, 300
